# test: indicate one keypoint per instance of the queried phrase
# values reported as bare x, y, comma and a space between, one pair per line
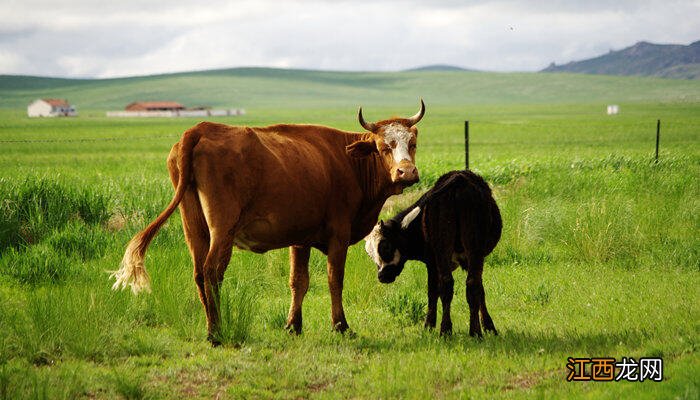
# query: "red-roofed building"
154, 106
51, 108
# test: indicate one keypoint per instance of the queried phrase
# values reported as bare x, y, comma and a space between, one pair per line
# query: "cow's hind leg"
194, 225
197, 237
298, 284
214, 269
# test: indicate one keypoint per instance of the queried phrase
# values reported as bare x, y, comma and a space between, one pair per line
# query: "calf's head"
385, 244
395, 141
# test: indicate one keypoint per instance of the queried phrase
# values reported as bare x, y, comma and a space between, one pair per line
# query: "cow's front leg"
298, 284
337, 252
433, 293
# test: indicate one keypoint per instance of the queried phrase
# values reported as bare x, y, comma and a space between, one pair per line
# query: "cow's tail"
132, 271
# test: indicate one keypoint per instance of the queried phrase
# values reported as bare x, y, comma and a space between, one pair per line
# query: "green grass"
299, 90
599, 257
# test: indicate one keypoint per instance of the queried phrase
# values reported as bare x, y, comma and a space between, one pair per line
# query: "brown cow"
260, 189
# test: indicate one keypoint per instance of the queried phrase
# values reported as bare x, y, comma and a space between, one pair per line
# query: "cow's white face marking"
398, 137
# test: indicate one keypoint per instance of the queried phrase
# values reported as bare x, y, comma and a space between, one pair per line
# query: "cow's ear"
361, 148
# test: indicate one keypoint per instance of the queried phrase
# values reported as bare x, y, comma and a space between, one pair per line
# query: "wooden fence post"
466, 144
658, 133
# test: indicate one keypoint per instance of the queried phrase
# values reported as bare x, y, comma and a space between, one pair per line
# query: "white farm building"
51, 108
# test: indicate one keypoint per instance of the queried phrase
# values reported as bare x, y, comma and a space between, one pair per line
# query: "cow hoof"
293, 329
445, 328
476, 335
350, 334
214, 341
341, 326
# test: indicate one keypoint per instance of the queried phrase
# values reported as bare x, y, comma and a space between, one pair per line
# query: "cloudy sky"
97, 38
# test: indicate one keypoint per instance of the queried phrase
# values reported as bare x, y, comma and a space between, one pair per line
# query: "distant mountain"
644, 58
438, 67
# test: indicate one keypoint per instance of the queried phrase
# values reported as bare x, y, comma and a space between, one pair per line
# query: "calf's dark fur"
457, 222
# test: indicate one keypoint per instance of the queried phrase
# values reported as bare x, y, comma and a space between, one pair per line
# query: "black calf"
455, 222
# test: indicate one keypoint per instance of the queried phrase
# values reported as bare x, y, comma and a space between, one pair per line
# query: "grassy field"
600, 257
302, 90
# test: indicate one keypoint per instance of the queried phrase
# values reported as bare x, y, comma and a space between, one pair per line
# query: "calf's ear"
361, 148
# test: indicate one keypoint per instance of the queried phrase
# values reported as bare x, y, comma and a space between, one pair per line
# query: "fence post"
466, 144
658, 133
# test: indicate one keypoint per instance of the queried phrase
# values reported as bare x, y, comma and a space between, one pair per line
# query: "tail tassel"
132, 272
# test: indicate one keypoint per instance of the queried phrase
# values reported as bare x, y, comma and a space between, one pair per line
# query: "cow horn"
414, 119
367, 125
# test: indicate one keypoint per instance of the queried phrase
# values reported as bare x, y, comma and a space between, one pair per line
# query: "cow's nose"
411, 171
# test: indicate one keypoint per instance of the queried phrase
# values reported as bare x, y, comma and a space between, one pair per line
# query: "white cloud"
82, 38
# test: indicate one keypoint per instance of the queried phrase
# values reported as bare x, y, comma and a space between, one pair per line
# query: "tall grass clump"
175, 302
601, 231
623, 210
406, 307
48, 228
237, 307
6, 391
129, 385
18, 383
58, 322
34, 208
38, 265
81, 240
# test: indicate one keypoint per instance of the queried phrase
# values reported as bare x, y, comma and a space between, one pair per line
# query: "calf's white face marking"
398, 137
372, 248
372, 245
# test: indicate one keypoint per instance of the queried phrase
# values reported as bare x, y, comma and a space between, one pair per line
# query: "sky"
103, 39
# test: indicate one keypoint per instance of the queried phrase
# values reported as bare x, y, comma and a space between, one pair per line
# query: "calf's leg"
475, 294
446, 293
298, 284
485, 317
433, 293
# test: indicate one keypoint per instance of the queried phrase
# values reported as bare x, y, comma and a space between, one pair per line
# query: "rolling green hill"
439, 67
644, 58
275, 88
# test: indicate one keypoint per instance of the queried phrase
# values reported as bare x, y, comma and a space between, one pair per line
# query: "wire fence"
103, 139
